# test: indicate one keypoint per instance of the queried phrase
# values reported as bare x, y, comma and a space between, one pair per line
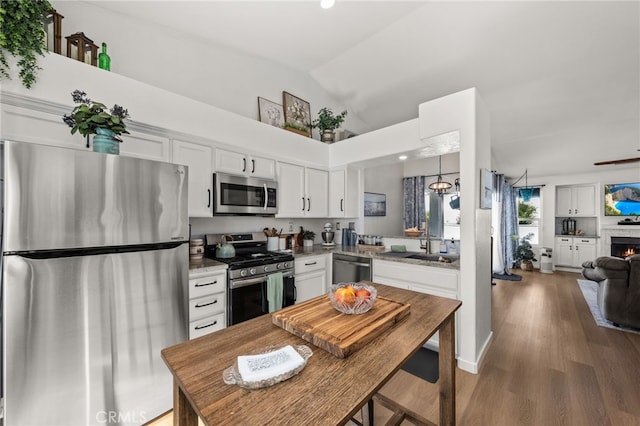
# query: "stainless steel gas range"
248, 273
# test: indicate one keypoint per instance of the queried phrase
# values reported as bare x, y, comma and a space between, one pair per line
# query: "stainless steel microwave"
237, 195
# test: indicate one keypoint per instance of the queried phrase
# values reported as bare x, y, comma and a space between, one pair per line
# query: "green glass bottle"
104, 61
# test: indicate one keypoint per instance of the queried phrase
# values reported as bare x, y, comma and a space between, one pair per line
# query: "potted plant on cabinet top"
524, 254
93, 118
327, 123
307, 238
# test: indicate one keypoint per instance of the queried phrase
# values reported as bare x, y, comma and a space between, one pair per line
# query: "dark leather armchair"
618, 288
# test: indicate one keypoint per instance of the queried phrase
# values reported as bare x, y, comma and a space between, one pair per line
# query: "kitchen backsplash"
236, 224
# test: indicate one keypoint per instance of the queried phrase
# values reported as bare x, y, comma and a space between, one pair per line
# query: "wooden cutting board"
317, 322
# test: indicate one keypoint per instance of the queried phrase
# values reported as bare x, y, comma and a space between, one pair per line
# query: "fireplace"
625, 246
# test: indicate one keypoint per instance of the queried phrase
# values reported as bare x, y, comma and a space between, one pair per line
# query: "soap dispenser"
443, 247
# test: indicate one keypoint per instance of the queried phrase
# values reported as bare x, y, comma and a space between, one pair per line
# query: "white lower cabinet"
573, 251
443, 282
311, 277
207, 301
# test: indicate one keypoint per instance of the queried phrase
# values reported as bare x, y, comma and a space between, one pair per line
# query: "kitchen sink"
432, 257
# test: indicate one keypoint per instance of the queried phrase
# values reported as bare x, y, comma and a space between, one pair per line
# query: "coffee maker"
327, 235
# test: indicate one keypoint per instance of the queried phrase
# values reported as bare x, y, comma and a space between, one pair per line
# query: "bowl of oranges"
352, 298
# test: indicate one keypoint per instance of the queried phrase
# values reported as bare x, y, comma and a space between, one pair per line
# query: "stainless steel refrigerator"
94, 285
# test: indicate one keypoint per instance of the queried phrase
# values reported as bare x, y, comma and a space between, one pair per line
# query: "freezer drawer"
83, 336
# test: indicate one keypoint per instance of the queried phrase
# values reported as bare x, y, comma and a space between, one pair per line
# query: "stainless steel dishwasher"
351, 268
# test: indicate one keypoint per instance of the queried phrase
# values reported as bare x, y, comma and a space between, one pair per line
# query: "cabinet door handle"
253, 166
200, 327
244, 165
308, 204
209, 198
206, 304
575, 211
206, 284
311, 263
341, 204
303, 204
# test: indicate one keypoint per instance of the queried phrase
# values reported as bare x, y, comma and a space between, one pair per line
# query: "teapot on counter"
225, 249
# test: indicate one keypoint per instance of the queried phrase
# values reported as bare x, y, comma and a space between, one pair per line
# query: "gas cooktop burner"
251, 250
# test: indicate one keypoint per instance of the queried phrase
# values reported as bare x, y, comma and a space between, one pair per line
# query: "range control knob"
266, 268
287, 265
279, 266
252, 271
243, 273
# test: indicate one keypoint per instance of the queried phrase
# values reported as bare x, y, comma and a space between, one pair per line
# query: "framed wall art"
297, 114
486, 188
270, 113
375, 204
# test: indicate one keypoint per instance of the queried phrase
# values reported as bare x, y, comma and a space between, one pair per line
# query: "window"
529, 216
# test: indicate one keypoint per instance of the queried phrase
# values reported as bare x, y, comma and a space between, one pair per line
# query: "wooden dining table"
329, 390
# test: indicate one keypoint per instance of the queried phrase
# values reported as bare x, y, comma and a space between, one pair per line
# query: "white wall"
386, 179
185, 65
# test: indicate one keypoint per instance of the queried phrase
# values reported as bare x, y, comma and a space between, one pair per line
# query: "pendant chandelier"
440, 186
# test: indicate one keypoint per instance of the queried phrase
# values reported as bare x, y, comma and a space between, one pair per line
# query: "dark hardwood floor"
548, 364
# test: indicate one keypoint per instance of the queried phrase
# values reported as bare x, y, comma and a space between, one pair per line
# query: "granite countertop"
206, 265
318, 249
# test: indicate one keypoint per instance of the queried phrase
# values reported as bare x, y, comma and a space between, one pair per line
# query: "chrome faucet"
425, 243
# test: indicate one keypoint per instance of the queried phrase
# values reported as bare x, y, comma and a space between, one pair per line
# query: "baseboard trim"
474, 366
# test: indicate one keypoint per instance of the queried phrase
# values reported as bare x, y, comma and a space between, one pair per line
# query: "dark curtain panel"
414, 208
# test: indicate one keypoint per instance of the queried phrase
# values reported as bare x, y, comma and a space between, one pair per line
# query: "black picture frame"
375, 204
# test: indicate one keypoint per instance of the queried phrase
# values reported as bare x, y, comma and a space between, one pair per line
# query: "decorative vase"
327, 136
104, 141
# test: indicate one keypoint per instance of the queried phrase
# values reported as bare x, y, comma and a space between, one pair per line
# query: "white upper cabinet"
343, 193
146, 146
302, 191
199, 158
240, 164
579, 200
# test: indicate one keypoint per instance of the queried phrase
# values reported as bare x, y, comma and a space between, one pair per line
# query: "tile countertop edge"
318, 249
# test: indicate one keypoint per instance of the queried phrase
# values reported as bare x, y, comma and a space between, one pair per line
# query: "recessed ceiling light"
402, 157
327, 4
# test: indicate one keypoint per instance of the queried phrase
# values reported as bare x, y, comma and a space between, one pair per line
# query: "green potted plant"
307, 238
524, 254
327, 123
93, 118
22, 36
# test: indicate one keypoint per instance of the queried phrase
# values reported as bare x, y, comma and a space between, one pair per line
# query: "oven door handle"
256, 280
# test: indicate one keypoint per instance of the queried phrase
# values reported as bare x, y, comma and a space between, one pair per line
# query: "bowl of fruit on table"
352, 298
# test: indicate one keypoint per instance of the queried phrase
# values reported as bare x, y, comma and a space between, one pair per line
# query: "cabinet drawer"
206, 305
202, 285
584, 241
309, 264
206, 325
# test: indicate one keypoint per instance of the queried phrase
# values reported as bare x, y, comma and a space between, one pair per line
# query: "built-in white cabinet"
576, 200
573, 251
311, 277
433, 280
199, 158
207, 301
244, 164
30, 125
302, 191
343, 192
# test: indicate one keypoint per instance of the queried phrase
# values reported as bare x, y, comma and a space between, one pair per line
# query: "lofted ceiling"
561, 79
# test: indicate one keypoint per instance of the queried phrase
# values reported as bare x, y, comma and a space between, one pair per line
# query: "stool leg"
367, 413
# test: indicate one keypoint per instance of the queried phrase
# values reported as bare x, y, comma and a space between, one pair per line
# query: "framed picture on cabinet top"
297, 114
270, 113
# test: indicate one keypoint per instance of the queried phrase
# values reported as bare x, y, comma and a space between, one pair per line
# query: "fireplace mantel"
616, 231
